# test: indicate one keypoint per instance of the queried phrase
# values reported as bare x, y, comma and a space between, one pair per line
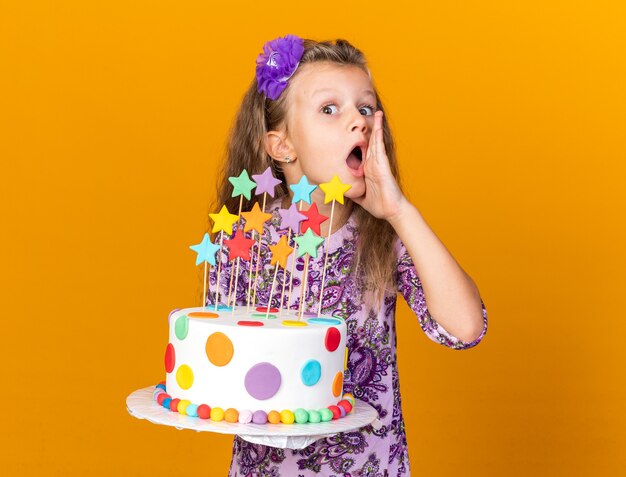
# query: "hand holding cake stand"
141, 404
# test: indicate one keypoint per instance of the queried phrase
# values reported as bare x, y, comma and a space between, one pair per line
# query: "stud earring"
287, 160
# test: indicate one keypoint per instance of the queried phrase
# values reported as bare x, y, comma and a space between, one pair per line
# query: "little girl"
313, 111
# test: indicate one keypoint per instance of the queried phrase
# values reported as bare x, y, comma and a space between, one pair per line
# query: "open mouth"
355, 159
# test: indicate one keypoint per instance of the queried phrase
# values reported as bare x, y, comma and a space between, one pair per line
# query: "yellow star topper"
255, 219
334, 190
280, 252
223, 221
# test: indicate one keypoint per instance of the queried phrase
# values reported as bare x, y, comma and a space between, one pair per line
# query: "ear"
279, 147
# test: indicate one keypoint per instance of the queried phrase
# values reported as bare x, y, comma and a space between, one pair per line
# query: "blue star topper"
206, 250
302, 191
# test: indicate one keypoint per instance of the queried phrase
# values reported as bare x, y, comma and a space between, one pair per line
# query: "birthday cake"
255, 367
244, 364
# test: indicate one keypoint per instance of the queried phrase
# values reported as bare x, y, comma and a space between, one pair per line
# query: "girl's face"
330, 116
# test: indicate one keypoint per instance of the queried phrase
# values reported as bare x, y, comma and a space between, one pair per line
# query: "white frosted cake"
255, 367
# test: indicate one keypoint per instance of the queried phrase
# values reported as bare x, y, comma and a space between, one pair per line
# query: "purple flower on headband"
277, 64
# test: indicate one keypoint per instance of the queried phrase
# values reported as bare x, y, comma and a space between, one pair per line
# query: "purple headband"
277, 64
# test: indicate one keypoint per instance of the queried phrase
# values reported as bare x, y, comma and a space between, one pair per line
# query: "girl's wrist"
403, 211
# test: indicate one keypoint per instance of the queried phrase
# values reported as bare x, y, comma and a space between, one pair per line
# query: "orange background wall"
510, 119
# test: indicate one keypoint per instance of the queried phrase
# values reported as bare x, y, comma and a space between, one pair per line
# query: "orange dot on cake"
338, 384
219, 349
202, 314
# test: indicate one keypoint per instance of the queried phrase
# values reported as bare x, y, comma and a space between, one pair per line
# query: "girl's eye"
328, 109
369, 110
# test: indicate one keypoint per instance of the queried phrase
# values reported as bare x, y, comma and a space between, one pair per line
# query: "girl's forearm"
451, 296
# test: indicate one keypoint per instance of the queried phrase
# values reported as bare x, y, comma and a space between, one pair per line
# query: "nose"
358, 122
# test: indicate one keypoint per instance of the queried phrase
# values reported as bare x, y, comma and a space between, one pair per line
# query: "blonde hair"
374, 265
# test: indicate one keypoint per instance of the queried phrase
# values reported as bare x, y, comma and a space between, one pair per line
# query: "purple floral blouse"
372, 374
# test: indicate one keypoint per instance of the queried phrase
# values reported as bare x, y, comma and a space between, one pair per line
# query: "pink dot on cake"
262, 381
170, 358
333, 338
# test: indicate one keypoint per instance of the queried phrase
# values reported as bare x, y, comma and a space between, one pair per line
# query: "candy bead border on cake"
230, 415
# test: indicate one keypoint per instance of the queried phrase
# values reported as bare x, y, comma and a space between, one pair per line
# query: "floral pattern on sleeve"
410, 287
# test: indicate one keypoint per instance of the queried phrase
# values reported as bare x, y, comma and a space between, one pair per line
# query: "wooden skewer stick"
269, 302
258, 257
204, 290
219, 270
250, 281
235, 292
303, 286
230, 283
293, 264
282, 294
330, 231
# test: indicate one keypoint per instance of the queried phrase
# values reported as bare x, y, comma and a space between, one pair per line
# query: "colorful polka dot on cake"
170, 360
262, 381
294, 324
219, 349
311, 372
338, 384
181, 327
184, 376
202, 314
333, 338
324, 321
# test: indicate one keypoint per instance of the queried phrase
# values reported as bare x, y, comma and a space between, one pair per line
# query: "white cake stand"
141, 405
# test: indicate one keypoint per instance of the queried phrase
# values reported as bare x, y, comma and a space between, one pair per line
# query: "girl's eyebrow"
331, 90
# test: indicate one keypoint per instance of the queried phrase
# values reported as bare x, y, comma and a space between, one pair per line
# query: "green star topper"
308, 243
242, 185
